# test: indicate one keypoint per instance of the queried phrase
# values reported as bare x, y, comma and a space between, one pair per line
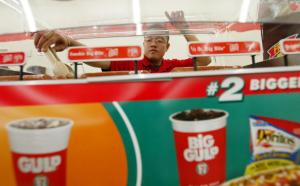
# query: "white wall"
50, 14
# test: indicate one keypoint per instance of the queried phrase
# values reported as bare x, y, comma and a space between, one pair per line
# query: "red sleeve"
121, 65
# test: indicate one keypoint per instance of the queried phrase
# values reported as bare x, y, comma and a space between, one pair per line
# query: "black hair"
157, 30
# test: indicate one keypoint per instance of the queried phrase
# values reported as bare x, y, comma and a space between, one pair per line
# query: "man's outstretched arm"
177, 19
59, 42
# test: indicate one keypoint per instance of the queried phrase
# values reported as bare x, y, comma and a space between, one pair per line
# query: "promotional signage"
275, 50
191, 130
225, 48
39, 154
290, 46
200, 145
113, 53
12, 58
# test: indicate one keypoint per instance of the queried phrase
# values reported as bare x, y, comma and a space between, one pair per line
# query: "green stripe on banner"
131, 159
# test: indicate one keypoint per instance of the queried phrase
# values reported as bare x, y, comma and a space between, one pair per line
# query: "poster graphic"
122, 133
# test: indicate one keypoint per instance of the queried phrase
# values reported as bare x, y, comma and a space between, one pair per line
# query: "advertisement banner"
184, 129
12, 58
112, 53
224, 48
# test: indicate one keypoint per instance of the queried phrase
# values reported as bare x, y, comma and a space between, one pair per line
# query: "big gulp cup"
200, 139
39, 148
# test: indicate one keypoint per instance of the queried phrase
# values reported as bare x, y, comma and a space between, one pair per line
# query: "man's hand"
177, 19
45, 39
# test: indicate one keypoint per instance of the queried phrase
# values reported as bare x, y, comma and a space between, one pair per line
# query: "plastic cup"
39, 154
201, 150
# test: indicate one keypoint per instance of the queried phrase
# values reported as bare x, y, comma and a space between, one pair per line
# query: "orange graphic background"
96, 154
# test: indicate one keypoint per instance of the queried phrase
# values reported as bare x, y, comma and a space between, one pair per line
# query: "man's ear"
168, 45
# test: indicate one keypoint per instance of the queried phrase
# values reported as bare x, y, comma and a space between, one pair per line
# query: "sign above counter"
12, 58
224, 48
112, 53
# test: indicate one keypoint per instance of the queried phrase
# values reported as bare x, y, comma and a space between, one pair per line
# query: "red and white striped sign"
112, 53
224, 48
12, 58
290, 46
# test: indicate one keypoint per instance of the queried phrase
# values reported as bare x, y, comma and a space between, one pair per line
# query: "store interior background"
19, 16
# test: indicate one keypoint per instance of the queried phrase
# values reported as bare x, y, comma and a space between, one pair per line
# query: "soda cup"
39, 148
200, 140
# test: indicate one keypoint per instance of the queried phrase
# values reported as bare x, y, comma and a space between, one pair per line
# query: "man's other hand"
45, 39
177, 19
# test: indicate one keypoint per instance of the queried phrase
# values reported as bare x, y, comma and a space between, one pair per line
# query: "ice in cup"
200, 140
39, 149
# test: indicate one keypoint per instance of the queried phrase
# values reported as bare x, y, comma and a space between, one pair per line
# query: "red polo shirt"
144, 64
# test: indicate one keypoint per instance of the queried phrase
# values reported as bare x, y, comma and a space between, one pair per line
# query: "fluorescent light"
16, 2
136, 10
28, 14
244, 11
139, 29
11, 6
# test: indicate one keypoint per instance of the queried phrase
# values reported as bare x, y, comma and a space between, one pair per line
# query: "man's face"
155, 47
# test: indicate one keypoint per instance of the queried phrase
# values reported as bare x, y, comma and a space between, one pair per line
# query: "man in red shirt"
156, 44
